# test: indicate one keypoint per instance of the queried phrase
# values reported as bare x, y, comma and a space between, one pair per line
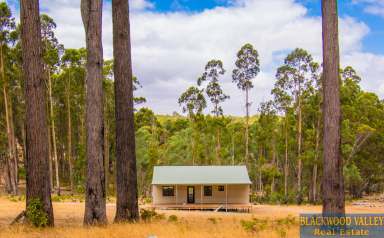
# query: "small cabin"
201, 188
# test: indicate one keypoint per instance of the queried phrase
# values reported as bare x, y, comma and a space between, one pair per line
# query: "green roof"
166, 175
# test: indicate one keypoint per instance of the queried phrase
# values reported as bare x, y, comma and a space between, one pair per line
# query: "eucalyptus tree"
333, 182
293, 78
357, 130
213, 70
247, 68
71, 61
313, 100
137, 100
108, 73
109, 118
37, 156
95, 196
51, 55
193, 102
283, 103
126, 174
7, 26
267, 140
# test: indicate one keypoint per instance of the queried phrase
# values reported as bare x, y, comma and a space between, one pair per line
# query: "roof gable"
200, 175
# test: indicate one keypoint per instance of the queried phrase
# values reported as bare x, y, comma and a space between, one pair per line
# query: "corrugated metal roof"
200, 175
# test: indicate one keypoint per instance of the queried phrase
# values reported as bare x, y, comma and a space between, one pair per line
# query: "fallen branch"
18, 218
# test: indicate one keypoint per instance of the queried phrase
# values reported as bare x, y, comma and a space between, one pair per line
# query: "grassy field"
265, 221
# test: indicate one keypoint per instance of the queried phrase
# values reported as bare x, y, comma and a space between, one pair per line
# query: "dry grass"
68, 219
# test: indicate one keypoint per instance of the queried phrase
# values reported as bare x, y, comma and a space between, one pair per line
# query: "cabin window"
220, 188
168, 191
207, 191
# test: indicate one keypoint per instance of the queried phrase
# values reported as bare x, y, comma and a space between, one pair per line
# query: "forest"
281, 144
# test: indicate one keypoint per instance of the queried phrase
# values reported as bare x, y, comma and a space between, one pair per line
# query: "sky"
172, 40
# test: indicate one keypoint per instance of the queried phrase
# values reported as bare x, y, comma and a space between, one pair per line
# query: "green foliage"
247, 67
172, 218
35, 213
254, 225
68, 198
280, 226
213, 70
193, 101
213, 220
287, 221
14, 198
7, 23
148, 215
353, 180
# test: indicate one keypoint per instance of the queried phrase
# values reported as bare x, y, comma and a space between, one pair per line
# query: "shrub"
35, 213
289, 220
353, 180
281, 232
147, 200
16, 198
249, 226
159, 216
213, 220
254, 225
276, 198
147, 215
56, 198
172, 218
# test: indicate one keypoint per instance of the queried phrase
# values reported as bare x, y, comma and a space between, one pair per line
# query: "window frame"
208, 191
165, 193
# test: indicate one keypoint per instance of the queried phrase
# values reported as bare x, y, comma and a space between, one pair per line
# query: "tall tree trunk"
37, 166
11, 165
95, 203
194, 141
299, 196
69, 132
15, 158
333, 182
50, 161
246, 127
274, 155
218, 146
233, 147
53, 134
286, 158
11, 158
126, 178
218, 132
260, 181
82, 129
106, 155
314, 170
7, 176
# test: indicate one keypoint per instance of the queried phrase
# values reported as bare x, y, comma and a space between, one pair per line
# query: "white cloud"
375, 7
371, 67
171, 49
141, 5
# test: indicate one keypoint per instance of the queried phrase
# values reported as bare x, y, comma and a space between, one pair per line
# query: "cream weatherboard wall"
235, 180
235, 194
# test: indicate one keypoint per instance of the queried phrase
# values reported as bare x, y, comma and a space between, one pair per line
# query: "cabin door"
191, 194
